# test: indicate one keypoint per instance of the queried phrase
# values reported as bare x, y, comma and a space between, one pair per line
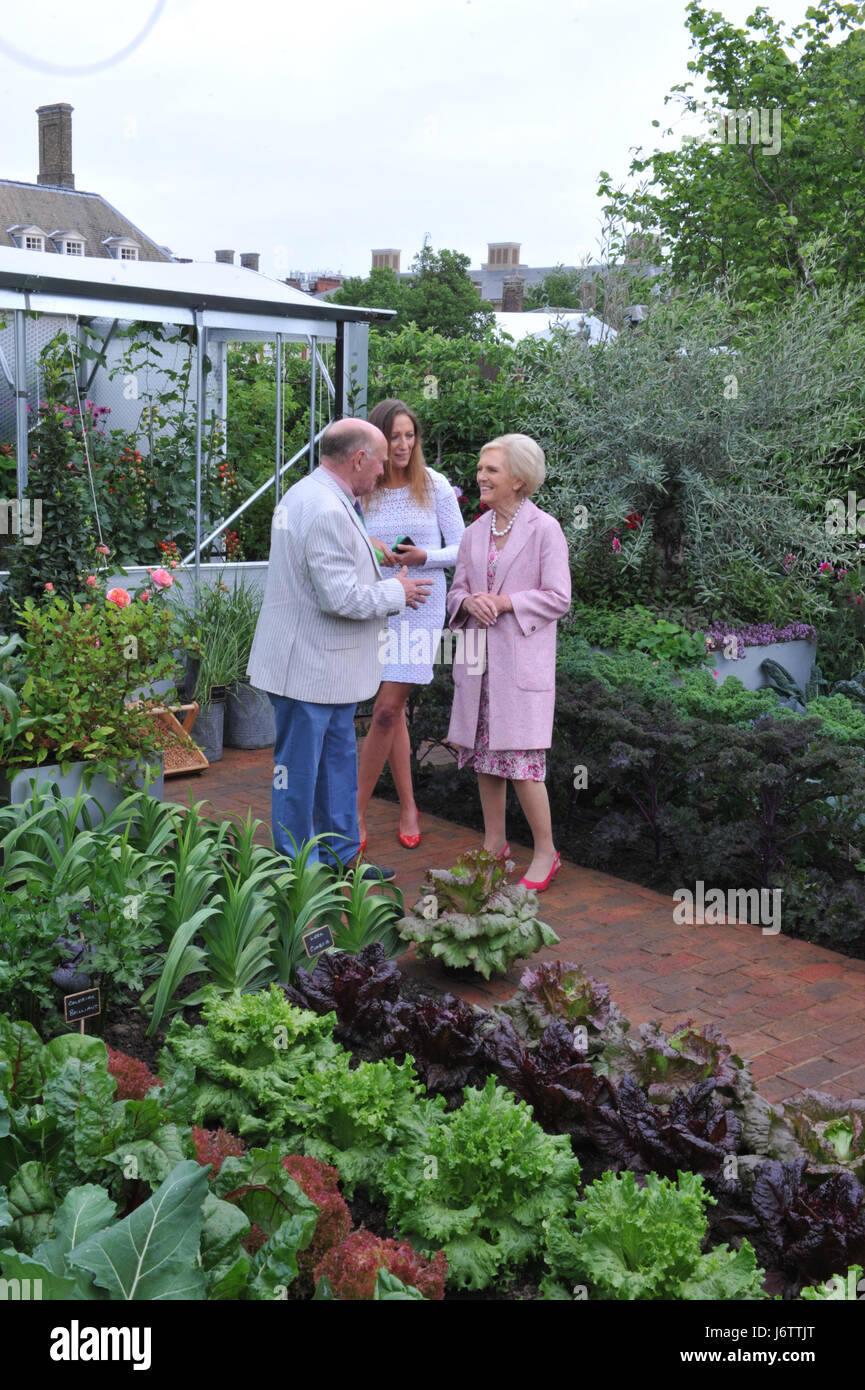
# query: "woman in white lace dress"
414, 501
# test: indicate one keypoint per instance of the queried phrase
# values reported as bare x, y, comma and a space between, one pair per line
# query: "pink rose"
162, 579
49, 588
102, 550
91, 580
145, 596
118, 596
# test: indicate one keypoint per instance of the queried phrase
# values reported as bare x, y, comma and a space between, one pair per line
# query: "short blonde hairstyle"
524, 459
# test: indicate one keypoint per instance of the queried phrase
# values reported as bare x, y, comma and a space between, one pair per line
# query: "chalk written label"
83, 1005
317, 940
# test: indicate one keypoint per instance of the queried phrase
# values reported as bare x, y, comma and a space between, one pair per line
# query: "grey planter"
796, 657
207, 731
249, 718
18, 788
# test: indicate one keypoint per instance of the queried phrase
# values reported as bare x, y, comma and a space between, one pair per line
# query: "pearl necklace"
499, 534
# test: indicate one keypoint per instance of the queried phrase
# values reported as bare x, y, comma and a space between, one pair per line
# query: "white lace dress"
408, 647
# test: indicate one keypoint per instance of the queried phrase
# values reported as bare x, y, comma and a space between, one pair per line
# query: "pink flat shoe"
545, 883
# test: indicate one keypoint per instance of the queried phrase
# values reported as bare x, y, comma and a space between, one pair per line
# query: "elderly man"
316, 648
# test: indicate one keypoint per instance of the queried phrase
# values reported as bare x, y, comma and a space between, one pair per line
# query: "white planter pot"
18, 788
796, 657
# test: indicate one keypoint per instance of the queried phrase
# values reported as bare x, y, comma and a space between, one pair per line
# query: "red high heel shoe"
410, 841
545, 883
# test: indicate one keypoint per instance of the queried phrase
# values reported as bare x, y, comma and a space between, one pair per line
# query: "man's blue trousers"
315, 778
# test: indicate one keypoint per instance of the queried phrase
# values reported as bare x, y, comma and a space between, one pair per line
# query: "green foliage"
249, 1059
781, 210
696, 466
840, 1286
464, 391
54, 487
470, 917
438, 296
627, 1243
482, 1187
560, 289
636, 629
357, 1118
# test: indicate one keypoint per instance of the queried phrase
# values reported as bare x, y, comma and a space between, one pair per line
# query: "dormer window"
68, 243
122, 248
28, 238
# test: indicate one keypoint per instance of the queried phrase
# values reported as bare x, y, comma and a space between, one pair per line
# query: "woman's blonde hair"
416, 473
525, 460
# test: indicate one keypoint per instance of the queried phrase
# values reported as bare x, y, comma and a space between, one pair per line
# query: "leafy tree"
465, 391
382, 289
561, 289
438, 295
789, 209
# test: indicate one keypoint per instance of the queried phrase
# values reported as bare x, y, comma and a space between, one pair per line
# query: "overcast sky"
313, 132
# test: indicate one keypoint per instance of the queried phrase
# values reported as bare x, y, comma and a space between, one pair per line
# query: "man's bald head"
344, 437
356, 450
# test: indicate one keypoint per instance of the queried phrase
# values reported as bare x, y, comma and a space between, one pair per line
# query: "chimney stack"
225, 257
249, 260
512, 294
55, 145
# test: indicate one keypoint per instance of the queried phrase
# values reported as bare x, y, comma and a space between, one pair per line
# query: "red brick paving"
795, 1010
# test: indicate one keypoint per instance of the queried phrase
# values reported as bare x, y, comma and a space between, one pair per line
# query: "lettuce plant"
627, 1242
554, 1077
694, 1132
352, 1267
362, 990
830, 1131
320, 1183
667, 1062
248, 1059
481, 1187
356, 1118
471, 918
560, 990
812, 1229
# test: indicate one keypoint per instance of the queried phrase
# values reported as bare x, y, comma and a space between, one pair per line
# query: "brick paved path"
795, 1011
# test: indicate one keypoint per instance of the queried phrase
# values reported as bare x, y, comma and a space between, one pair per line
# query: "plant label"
86, 1004
317, 940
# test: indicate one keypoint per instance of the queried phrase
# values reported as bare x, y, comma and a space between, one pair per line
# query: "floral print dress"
529, 765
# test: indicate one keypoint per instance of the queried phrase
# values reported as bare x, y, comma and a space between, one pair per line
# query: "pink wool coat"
533, 571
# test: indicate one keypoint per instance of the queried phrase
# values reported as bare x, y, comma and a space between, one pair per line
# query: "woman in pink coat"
512, 582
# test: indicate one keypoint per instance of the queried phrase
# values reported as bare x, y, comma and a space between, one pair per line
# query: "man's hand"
416, 590
389, 557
